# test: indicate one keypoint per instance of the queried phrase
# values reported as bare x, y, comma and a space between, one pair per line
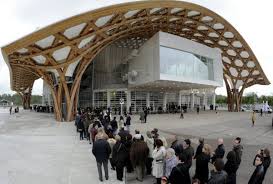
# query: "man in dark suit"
101, 150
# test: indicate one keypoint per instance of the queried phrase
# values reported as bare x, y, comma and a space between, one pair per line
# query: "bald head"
220, 141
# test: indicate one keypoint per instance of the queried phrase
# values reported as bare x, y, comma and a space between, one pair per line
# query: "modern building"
149, 53
164, 71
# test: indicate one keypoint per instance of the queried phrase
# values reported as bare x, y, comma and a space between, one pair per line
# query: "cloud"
251, 18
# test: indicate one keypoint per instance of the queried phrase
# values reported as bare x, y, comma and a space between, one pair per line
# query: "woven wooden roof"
72, 43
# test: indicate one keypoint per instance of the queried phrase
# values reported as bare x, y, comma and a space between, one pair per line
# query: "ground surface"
36, 149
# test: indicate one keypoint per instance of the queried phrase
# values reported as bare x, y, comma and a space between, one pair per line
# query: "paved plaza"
36, 149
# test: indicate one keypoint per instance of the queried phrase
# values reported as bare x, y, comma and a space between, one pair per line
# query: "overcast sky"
253, 19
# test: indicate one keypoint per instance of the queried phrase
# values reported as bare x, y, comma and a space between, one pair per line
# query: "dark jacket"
219, 153
123, 135
231, 167
198, 150
180, 175
188, 152
219, 177
177, 146
257, 176
139, 153
266, 164
114, 124
120, 154
80, 125
202, 167
128, 120
101, 150
238, 152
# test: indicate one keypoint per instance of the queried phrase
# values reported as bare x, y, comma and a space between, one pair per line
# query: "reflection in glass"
184, 64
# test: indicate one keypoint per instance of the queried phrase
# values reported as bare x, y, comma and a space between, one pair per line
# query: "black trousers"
81, 135
149, 166
119, 171
112, 163
231, 179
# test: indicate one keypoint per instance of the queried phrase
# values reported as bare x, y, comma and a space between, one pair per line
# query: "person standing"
188, 152
199, 149
177, 145
112, 142
257, 176
198, 109
181, 115
145, 115
114, 125
138, 155
150, 144
180, 174
119, 157
267, 160
80, 128
219, 151
142, 117
121, 122
233, 161
253, 118
159, 154
10, 110
202, 164
102, 150
128, 122
218, 175
170, 162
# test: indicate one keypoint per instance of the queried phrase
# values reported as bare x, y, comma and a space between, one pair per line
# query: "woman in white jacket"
158, 162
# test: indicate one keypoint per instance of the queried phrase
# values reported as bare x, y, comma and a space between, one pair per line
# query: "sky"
252, 19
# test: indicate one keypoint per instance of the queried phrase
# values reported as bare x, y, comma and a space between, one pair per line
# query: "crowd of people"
113, 140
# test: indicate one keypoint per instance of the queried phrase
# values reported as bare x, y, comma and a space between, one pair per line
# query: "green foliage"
36, 99
220, 99
16, 99
249, 98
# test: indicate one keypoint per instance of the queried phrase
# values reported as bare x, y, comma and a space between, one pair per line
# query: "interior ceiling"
163, 85
64, 46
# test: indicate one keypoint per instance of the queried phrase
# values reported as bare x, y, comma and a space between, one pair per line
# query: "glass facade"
156, 100
115, 96
138, 100
184, 64
100, 99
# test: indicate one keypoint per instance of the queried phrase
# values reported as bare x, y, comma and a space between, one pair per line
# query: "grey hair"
171, 151
149, 134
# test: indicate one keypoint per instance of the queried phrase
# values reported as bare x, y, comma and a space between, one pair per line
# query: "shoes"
101, 180
139, 180
107, 178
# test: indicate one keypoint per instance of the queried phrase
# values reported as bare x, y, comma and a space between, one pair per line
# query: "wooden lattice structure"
63, 51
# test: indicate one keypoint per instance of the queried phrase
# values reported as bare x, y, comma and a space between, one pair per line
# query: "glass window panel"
184, 64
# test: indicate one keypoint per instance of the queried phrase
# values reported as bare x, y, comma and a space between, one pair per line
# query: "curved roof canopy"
61, 47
